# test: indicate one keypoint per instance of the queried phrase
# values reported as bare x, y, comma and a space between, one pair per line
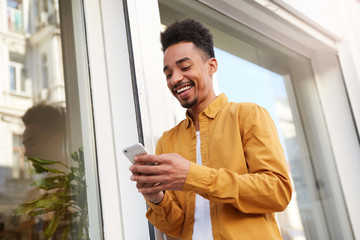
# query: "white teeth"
183, 89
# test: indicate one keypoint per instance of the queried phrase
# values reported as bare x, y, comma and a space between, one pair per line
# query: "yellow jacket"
244, 174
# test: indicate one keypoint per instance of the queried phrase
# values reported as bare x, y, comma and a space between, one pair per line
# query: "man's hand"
169, 172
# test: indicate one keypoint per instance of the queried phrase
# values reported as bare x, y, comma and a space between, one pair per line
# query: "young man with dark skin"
221, 172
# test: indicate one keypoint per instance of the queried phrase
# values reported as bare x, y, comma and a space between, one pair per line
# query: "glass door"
254, 68
243, 81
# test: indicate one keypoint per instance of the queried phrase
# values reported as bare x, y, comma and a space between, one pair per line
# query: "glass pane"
18, 156
14, 12
272, 91
12, 73
300, 122
44, 73
23, 81
43, 184
12, 3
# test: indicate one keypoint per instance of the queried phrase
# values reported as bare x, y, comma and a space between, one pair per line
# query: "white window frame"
19, 67
44, 61
116, 126
321, 48
77, 85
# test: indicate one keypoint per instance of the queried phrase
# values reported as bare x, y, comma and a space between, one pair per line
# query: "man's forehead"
184, 50
179, 53
180, 50
33, 127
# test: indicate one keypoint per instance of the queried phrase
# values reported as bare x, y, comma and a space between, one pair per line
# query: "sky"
243, 81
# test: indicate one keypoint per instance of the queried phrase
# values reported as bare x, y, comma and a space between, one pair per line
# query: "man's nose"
176, 77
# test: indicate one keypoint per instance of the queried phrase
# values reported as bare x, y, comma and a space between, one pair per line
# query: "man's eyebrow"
177, 62
182, 60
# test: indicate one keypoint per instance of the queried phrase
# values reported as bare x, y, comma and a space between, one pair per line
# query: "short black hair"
188, 30
50, 117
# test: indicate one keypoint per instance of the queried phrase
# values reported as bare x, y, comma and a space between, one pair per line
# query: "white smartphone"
134, 150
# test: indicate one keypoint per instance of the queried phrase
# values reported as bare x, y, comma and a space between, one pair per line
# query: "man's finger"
154, 189
145, 185
147, 159
148, 169
149, 178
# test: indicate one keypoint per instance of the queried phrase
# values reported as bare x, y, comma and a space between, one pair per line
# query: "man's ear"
213, 65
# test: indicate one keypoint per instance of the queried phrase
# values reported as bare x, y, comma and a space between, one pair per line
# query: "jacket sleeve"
266, 187
167, 216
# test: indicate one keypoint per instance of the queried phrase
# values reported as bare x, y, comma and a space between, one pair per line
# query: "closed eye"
186, 68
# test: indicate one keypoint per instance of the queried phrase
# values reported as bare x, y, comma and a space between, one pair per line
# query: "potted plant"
64, 197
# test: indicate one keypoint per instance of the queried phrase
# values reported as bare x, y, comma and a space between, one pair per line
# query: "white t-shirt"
202, 225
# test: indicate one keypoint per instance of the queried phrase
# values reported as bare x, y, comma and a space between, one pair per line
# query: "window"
47, 143
46, 13
273, 91
12, 78
14, 13
17, 79
254, 68
19, 167
44, 71
23, 81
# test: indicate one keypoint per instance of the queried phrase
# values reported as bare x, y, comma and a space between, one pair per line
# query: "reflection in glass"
14, 15
44, 74
243, 81
12, 71
42, 179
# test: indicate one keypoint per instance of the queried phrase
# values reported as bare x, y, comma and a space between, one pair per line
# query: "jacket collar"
212, 110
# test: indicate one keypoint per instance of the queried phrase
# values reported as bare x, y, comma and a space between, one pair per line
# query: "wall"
341, 20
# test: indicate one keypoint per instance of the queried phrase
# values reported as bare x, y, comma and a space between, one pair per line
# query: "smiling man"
221, 172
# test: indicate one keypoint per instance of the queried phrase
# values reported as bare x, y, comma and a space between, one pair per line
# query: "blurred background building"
31, 72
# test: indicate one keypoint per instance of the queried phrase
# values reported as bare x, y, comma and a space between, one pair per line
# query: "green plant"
64, 197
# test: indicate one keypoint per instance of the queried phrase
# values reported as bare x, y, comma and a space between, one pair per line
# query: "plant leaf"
36, 213
44, 203
75, 156
39, 168
66, 232
52, 170
49, 183
24, 208
42, 161
51, 227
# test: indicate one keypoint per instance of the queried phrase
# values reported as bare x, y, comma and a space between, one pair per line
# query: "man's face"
39, 143
188, 74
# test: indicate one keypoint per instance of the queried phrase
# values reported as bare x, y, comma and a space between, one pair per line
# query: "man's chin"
188, 104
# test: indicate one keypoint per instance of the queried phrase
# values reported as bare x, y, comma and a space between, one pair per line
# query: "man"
44, 138
44, 134
221, 172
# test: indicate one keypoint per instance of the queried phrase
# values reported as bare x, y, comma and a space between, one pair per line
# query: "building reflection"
32, 72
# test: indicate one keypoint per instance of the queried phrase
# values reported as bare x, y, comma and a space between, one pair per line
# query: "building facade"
101, 61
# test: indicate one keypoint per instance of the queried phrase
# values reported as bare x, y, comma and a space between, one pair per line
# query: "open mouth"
183, 89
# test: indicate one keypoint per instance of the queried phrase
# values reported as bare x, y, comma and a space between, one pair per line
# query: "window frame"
78, 93
320, 48
104, 43
19, 75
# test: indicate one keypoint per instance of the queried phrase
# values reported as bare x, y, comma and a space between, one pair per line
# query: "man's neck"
196, 110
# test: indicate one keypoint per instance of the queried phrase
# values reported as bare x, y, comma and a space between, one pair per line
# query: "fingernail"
132, 177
